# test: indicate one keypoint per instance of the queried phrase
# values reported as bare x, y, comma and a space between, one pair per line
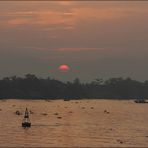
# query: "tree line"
32, 87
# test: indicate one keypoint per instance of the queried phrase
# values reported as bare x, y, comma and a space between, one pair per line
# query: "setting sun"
64, 68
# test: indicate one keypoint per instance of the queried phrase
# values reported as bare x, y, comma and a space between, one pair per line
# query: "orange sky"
105, 39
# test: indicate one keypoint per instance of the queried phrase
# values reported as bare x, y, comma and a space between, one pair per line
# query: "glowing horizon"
106, 39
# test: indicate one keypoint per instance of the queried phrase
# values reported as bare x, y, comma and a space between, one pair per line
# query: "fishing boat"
26, 121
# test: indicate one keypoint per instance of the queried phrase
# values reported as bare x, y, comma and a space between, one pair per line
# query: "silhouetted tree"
32, 87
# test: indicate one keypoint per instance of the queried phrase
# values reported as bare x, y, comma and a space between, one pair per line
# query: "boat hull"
26, 124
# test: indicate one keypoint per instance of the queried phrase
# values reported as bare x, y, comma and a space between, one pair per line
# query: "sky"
95, 39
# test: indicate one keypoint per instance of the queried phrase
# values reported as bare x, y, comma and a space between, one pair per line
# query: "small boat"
26, 121
66, 99
140, 101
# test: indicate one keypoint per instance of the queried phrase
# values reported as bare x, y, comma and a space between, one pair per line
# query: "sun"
64, 68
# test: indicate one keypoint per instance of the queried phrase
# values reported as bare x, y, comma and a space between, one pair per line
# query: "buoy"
18, 112
26, 121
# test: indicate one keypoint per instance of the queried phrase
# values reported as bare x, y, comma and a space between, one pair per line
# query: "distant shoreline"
68, 99
32, 87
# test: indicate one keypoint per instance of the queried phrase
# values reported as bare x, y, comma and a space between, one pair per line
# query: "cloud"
71, 49
76, 49
37, 18
67, 19
18, 22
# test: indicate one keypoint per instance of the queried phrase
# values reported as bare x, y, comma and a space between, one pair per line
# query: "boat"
26, 121
140, 101
66, 99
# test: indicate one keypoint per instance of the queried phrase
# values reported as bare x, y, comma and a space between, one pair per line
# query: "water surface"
74, 123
